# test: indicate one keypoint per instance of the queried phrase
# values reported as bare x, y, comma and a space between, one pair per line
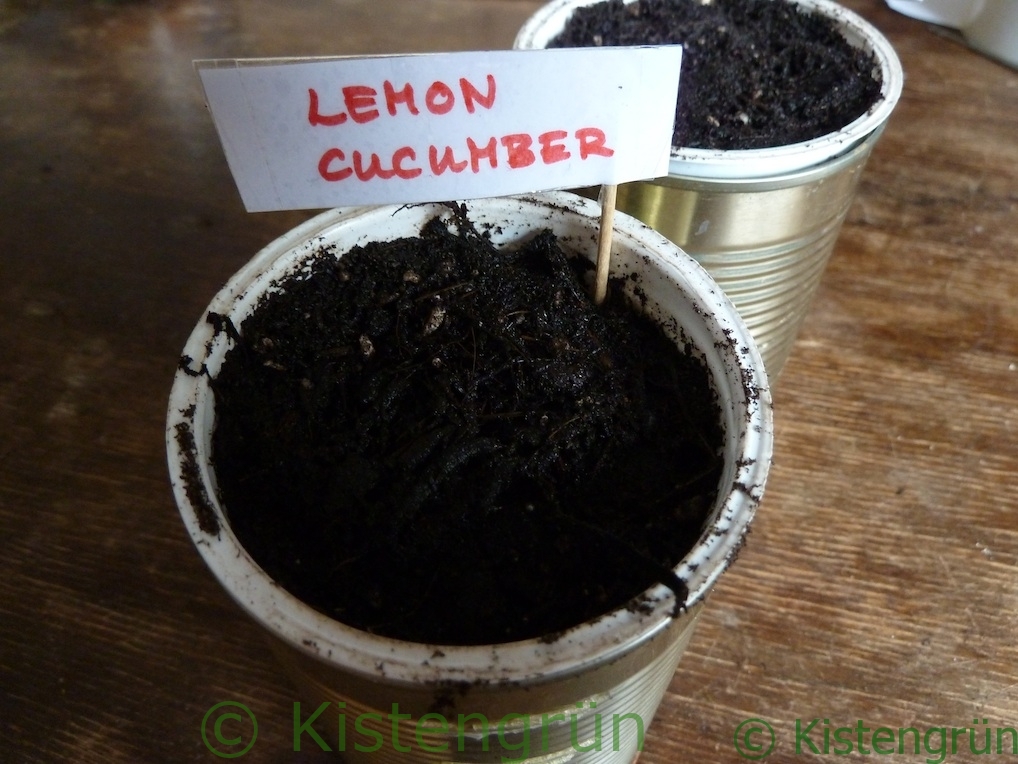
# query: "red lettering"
327, 159
395, 97
518, 145
439, 99
360, 103
592, 143
374, 168
553, 152
397, 163
316, 118
477, 154
447, 162
472, 94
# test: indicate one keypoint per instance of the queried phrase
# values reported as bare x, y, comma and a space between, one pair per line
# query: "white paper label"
317, 133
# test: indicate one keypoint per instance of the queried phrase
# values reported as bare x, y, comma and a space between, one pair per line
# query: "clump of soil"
755, 73
438, 441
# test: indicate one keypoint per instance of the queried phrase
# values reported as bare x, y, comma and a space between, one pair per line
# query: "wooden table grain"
879, 587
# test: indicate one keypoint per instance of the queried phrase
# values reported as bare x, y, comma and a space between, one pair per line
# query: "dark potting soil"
438, 441
755, 73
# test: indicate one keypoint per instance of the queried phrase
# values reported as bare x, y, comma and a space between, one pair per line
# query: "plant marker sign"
350, 131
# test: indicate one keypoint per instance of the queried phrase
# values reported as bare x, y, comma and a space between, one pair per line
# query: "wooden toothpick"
604, 241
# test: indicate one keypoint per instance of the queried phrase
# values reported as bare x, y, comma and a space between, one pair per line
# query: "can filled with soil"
583, 691
761, 214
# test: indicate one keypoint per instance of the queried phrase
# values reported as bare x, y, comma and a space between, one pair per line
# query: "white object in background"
994, 30
989, 26
948, 13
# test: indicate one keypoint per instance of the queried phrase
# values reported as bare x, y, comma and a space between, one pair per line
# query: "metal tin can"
586, 695
763, 222
765, 241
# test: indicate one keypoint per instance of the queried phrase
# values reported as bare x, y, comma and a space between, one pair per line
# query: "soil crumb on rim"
194, 487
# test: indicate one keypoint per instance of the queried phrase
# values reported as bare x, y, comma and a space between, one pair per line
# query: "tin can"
763, 222
586, 695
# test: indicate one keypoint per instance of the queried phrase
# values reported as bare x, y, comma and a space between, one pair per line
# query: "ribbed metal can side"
766, 242
593, 722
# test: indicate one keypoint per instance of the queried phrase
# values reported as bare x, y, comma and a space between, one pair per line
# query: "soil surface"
755, 73
436, 441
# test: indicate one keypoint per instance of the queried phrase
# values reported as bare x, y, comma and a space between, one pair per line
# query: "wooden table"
880, 583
